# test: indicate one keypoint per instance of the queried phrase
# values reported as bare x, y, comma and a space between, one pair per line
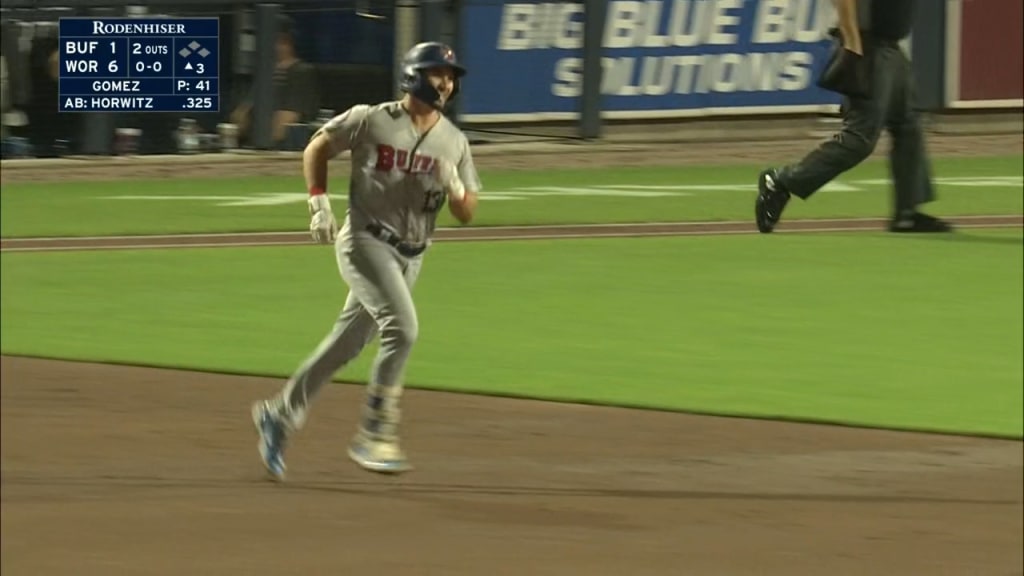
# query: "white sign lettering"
663, 23
689, 74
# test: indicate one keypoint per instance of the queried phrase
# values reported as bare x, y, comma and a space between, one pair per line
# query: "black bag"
845, 72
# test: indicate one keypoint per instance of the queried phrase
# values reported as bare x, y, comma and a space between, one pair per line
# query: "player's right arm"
339, 134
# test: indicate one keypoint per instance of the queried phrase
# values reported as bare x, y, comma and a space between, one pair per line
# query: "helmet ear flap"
410, 78
414, 82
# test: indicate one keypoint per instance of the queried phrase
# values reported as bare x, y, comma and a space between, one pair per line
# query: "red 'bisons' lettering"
389, 158
423, 163
385, 158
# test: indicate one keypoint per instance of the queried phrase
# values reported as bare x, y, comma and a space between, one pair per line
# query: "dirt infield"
118, 470
125, 470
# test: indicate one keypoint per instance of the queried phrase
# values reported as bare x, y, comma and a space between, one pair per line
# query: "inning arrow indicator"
188, 66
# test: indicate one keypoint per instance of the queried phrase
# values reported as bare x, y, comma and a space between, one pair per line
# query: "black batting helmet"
422, 57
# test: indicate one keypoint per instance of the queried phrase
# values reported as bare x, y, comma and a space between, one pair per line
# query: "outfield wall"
673, 70
984, 60
660, 59
678, 59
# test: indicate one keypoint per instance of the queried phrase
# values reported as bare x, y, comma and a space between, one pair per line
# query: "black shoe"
772, 197
919, 223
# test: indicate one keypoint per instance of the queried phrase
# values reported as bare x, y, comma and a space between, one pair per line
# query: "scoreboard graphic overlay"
139, 65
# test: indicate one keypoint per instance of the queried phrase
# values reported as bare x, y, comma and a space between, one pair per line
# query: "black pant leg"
908, 158
863, 121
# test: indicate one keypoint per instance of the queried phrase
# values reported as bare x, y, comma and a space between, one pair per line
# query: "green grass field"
966, 186
861, 328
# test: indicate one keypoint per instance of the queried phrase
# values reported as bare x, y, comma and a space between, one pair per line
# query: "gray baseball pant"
379, 301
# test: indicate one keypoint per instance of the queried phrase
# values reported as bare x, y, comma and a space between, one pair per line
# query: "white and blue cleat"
382, 457
272, 439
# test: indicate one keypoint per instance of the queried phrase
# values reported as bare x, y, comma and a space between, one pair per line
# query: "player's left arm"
463, 186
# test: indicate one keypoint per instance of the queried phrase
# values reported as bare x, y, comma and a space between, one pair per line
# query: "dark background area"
350, 45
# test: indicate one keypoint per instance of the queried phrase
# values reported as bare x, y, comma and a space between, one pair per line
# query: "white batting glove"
323, 224
448, 176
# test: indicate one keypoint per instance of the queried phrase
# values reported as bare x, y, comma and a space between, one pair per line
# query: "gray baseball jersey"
392, 185
392, 181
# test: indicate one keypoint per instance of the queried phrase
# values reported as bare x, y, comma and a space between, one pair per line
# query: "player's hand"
448, 176
323, 225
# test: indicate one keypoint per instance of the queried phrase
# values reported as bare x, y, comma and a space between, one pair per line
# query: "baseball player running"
408, 159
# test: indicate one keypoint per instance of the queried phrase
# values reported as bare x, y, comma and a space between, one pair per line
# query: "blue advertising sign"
661, 58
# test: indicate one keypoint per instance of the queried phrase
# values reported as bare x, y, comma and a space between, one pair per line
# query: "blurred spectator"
295, 97
5, 97
13, 144
50, 133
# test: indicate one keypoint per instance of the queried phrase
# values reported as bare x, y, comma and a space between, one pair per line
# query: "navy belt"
389, 237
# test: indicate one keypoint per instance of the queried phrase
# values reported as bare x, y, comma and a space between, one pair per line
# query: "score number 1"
112, 67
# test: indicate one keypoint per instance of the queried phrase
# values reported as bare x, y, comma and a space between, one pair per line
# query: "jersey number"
433, 201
